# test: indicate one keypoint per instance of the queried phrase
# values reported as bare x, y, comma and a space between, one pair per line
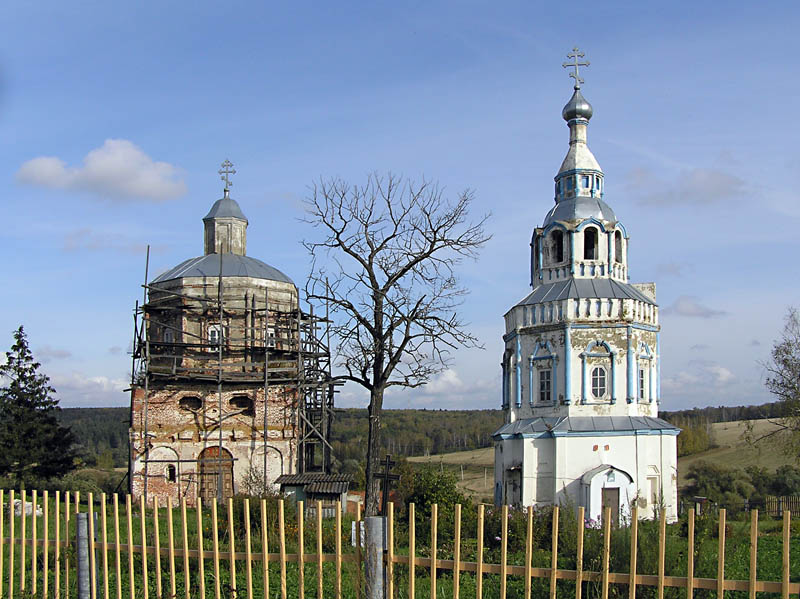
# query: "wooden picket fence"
46, 570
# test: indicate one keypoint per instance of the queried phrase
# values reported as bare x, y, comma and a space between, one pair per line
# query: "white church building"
581, 367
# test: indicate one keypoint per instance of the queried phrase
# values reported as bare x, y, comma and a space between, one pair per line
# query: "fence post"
375, 571
84, 575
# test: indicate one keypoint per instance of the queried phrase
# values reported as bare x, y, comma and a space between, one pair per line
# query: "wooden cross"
225, 171
387, 464
575, 55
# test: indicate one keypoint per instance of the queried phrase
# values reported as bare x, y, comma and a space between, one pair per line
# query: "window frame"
595, 382
545, 385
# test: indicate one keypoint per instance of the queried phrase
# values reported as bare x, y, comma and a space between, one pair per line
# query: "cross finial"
575, 55
225, 172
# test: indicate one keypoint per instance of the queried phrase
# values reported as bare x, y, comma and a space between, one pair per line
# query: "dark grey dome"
225, 207
577, 107
580, 208
233, 265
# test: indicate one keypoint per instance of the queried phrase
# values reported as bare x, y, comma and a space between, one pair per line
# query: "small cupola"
225, 225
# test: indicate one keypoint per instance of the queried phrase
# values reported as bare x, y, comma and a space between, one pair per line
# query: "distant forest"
103, 432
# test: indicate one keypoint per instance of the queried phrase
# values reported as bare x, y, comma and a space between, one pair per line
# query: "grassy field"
475, 469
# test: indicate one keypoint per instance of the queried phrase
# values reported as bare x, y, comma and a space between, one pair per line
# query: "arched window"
618, 247
244, 403
558, 246
590, 243
172, 474
599, 382
190, 402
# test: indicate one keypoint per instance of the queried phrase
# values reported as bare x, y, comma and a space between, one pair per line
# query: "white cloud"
79, 390
690, 186
699, 373
87, 239
118, 170
688, 305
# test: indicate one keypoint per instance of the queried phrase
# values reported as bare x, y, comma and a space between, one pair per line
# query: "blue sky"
114, 119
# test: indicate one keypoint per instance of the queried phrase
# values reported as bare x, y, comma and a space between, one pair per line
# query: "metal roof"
225, 207
583, 424
584, 288
233, 265
580, 208
317, 482
586, 479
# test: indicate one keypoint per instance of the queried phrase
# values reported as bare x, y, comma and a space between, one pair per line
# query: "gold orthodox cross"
575, 55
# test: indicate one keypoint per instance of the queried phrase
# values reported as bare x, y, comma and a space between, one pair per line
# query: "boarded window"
642, 383
545, 385
190, 402
590, 244
172, 474
617, 247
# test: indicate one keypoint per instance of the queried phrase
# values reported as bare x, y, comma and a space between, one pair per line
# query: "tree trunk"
371, 499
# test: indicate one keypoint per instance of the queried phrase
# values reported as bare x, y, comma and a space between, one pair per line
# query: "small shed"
311, 487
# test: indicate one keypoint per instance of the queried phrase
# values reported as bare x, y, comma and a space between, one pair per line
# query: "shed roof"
309, 478
584, 288
583, 424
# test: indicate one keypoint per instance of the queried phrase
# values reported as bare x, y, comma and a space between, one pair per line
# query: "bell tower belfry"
582, 354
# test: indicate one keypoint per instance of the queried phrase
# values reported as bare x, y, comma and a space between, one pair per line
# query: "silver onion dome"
577, 107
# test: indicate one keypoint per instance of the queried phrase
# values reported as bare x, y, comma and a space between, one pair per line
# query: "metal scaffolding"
276, 348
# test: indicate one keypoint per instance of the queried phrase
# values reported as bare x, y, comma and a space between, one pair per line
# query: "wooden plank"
434, 517
606, 551
662, 540
11, 544
117, 545
579, 553
554, 553
412, 549
503, 553
171, 549
456, 552
129, 517
215, 548
92, 550
479, 556
232, 547
57, 557
66, 541
104, 532
787, 531
3, 539
22, 552
634, 552
34, 577
264, 549
143, 530
185, 538
319, 549
753, 553
46, 538
301, 562
390, 549
528, 552
157, 535
690, 556
721, 556
338, 549
201, 565
282, 542
248, 549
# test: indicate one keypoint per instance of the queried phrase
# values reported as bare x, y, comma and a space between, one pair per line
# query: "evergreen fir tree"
32, 443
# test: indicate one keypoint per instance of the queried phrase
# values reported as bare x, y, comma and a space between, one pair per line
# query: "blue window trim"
587, 353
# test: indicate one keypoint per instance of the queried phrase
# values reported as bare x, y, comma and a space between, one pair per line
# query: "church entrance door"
215, 465
611, 499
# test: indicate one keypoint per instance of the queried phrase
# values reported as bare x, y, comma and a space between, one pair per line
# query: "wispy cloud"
47, 353
699, 372
117, 170
87, 239
699, 347
690, 186
672, 269
690, 306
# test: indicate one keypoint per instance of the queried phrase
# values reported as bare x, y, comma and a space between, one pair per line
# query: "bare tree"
385, 262
783, 381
